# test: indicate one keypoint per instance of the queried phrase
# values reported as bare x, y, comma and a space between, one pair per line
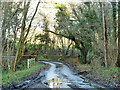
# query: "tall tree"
76, 25
10, 17
23, 36
8, 34
4, 25
118, 58
0, 35
0, 42
114, 20
105, 35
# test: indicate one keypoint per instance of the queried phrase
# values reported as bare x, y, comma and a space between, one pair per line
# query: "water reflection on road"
60, 75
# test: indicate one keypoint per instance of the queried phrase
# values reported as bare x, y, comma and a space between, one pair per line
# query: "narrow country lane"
60, 75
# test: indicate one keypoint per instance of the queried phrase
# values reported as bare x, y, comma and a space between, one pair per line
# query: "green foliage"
44, 38
59, 6
16, 76
40, 57
107, 74
78, 26
60, 59
62, 17
32, 49
111, 69
21, 65
84, 67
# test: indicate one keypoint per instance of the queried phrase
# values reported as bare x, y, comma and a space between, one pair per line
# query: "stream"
60, 75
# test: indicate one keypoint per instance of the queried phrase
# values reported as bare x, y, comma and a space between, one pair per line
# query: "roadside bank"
108, 77
22, 78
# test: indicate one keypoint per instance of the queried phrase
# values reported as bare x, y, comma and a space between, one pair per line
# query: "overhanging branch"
77, 42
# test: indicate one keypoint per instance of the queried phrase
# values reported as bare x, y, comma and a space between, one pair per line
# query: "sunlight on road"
57, 83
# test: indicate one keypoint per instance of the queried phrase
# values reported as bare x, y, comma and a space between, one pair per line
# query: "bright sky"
46, 7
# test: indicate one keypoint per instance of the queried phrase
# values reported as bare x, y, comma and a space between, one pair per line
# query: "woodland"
87, 33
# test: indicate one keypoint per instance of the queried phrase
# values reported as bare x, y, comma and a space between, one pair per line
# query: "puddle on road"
60, 76
56, 83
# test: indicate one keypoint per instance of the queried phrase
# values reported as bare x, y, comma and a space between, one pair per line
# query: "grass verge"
108, 76
16, 76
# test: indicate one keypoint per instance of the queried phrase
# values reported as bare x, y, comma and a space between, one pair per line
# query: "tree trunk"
8, 7
3, 26
84, 56
15, 34
114, 21
68, 49
8, 59
72, 52
77, 44
1, 14
105, 36
118, 58
63, 48
22, 37
113, 39
79, 59
14, 42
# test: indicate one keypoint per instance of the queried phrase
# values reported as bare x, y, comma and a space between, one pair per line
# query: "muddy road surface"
60, 75
57, 75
